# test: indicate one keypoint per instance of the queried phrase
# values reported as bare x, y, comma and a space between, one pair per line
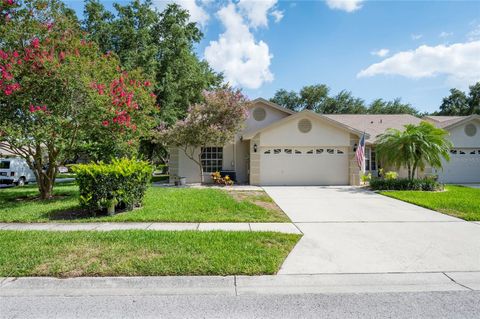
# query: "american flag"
360, 153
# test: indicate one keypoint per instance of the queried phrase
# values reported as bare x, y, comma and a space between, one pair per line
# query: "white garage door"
464, 167
303, 166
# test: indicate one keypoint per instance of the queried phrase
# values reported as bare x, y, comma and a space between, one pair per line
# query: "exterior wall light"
254, 148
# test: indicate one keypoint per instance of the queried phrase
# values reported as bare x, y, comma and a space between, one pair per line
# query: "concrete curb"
240, 285
288, 228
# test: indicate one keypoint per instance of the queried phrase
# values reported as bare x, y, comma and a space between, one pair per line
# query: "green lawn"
458, 201
142, 253
161, 205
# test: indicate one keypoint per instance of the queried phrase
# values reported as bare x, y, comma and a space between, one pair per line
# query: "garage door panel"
294, 168
463, 167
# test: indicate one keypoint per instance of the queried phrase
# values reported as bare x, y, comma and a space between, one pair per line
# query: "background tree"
414, 148
474, 99
213, 122
317, 98
313, 97
98, 25
162, 44
459, 103
396, 106
287, 99
59, 93
344, 103
454, 104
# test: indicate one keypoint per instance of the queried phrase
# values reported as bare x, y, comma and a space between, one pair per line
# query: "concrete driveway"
471, 185
351, 230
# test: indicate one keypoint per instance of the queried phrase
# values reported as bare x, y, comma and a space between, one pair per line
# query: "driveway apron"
352, 230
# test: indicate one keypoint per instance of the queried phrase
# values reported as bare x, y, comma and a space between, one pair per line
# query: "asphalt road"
459, 304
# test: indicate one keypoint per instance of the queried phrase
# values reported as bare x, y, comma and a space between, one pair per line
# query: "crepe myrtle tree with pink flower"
58, 91
215, 121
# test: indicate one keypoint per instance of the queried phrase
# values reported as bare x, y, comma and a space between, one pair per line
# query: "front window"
212, 159
367, 159
4, 164
373, 161
370, 160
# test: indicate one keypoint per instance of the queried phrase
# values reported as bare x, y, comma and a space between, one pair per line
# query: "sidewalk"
288, 228
240, 285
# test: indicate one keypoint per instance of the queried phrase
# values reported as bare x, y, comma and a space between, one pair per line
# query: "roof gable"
449, 124
310, 114
271, 105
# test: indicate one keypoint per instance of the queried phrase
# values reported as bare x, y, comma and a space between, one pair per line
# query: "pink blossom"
36, 43
49, 25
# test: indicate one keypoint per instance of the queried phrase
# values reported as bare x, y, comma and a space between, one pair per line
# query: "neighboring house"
280, 147
464, 164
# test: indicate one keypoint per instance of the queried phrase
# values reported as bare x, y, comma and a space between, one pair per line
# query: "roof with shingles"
444, 121
375, 124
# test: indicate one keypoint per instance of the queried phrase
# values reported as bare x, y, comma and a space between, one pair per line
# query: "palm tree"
415, 147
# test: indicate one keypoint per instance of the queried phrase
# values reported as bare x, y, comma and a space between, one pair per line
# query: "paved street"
458, 304
351, 230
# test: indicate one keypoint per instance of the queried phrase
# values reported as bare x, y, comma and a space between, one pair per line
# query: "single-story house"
281, 147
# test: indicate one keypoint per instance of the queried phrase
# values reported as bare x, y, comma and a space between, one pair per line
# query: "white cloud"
243, 61
444, 34
416, 36
195, 8
474, 34
459, 62
257, 11
381, 53
277, 15
345, 5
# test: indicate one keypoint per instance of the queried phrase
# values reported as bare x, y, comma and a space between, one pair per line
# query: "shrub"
120, 184
425, 184
391, 175
366, 178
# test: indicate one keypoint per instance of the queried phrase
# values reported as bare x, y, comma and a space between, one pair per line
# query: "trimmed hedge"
425, 184
120, 184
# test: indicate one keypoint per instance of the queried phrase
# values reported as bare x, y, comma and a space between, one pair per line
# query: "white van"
15, 171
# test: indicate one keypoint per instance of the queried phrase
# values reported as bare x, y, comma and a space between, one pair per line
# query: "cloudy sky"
416, 50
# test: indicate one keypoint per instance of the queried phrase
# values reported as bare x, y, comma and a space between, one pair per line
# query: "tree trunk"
45, 178
201, 167
45, 182
414, 169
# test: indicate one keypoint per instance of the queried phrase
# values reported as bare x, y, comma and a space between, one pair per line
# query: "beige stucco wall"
321, 134
255, 161
183, 166
460, 139
272, 115
353, 169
